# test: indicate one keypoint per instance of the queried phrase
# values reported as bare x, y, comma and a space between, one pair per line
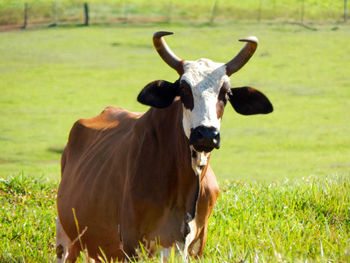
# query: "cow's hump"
86, 131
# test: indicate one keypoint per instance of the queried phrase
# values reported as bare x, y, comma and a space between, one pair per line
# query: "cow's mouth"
202, 148
199, 159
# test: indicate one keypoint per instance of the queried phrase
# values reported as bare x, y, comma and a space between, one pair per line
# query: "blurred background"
53, 12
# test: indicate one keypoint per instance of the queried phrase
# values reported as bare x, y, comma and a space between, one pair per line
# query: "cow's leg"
130, 227
65, 250
196, 248
196, 239
130, 243
193, 227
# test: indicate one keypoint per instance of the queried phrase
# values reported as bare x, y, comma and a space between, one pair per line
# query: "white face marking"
199, 161
205, 78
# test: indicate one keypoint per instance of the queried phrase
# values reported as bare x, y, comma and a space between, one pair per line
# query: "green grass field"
284, 176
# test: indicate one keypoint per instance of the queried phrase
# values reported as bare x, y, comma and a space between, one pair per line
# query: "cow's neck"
183, 167
167, 125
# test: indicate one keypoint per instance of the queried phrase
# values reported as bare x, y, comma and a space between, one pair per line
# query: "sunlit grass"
291, 221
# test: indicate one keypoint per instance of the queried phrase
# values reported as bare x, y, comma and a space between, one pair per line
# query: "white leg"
164, 254
190, 237
62, 243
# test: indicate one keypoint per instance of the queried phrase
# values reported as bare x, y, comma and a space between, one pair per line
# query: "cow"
131, 179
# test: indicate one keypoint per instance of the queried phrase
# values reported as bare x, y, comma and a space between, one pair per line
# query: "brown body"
128, 176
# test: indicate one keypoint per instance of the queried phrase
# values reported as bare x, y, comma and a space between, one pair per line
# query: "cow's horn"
243, 56
165, 52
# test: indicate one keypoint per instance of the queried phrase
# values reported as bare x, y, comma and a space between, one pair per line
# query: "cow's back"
92, 167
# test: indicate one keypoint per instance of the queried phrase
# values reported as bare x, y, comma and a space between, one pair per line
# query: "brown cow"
131, 177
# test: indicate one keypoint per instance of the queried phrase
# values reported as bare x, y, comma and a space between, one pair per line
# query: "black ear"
159, 93
248, 101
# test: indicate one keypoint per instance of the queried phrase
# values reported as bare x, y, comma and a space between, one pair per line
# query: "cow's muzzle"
205, 139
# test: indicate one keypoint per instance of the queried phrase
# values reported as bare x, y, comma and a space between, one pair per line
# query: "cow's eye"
186, 95
223, 94
222, 100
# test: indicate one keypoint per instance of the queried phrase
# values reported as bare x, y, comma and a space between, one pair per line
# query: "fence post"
302, 11
213, 12
86, 12
345, 10
55, 11
25, 15
259, 10
125, 11
170, 9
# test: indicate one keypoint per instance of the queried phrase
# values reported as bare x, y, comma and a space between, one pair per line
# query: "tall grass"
27, 217
292, 221
306, 219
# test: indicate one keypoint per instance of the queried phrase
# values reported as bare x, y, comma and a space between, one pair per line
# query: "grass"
307, 219
291, 221
51, 77
11, 12
27, 219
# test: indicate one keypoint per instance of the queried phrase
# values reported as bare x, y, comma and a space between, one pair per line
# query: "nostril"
205, 138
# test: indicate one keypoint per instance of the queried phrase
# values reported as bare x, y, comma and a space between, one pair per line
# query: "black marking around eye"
222, 99
186, 95
223, 94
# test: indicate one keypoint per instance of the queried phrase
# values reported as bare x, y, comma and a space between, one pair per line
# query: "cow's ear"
159, 93
248, 101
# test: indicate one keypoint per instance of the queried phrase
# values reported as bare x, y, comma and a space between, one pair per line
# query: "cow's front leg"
66, 251
196, 248
209, 192
130, 229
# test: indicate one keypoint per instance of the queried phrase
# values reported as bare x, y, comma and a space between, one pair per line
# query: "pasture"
284, 177
71, 11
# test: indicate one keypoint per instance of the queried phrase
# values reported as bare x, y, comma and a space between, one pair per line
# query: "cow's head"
204, 88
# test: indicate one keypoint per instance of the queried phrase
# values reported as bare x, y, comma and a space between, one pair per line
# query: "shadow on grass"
56, 149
